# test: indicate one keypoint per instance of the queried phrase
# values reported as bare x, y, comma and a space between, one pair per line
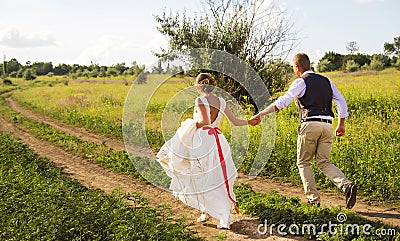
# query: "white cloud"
111, 49
15, 39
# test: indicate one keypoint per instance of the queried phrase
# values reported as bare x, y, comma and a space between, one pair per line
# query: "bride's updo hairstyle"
205, 82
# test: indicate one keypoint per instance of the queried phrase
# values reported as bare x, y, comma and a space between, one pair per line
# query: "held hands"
255, 120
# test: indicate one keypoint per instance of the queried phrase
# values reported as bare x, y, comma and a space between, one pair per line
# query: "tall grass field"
369, 153
38, 202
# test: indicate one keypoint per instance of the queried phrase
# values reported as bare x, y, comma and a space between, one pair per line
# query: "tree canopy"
254, 31
393, 48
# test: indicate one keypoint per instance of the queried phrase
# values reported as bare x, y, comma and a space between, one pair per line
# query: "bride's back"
215, 105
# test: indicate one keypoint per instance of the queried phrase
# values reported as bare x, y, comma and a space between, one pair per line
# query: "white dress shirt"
297, 90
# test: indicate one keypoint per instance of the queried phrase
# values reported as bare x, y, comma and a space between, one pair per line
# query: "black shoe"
350, 193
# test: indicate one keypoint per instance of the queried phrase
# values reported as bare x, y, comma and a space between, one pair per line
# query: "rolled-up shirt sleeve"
340, 101
296, 88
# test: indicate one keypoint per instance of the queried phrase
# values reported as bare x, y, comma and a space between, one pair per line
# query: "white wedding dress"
192, 159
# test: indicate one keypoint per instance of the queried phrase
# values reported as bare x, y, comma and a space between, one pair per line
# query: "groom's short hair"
302, 60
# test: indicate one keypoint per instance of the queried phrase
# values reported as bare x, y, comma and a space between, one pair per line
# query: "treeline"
332, 61
29, 71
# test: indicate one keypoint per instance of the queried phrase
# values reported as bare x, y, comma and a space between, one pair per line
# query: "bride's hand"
255, 120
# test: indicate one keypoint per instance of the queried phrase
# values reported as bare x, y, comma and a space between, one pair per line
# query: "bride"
198, 157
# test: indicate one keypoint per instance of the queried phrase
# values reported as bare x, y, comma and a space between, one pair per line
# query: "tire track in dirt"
94, 176
373, 211
73, 130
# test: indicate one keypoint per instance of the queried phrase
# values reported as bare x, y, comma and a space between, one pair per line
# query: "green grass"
115, 160
96, 106
274, 209
38, 202
368, 154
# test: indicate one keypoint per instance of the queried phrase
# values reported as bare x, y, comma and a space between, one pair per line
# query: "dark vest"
317, 100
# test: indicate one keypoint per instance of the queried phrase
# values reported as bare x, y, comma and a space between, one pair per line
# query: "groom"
314, 94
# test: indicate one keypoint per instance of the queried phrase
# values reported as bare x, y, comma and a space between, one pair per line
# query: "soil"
92, 175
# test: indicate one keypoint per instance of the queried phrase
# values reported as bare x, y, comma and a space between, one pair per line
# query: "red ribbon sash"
215, 131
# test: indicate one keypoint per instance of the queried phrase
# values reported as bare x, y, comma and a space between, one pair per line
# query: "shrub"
29, 75
7, 82
324, 66
86, 73
379, 62
365, 67
74, 76
142, 78
94, 73
360, 59
102, 73
352, 66
13, 74
112, 72
376, 65
335, 61
20, 73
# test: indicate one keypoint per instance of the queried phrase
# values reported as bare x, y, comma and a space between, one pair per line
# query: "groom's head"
301, 63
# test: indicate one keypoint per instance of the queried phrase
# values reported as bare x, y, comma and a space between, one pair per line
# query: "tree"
254, 32
331, 61
111, 71
393, 48
13, 65
158, 69
120, 67
136, 68
62, 69
352, 47
42, 68
385, 59
360, 59
29, 75
4, 67
75, 68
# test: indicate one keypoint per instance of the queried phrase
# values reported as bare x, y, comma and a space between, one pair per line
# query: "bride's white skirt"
191, 159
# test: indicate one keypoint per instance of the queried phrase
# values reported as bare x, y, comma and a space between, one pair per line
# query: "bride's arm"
232, 118
201, 109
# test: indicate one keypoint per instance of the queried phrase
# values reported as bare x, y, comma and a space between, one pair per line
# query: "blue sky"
108, 32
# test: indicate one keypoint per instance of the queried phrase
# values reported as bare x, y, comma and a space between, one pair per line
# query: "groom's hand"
255, 120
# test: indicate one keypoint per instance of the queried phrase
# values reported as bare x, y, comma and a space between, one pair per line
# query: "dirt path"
370, 210
73, 130
242, 228
94, 176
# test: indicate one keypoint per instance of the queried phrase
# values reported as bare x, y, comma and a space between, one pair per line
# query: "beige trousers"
315, 140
